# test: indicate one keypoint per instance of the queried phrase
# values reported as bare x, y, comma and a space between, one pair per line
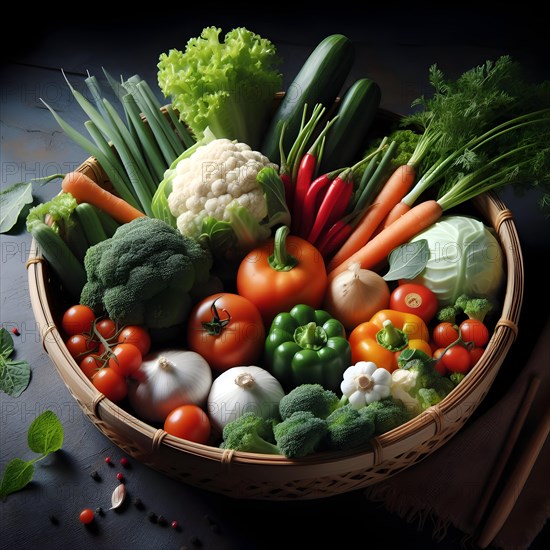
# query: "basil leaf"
6, 343
12, 201
45, 434
17, 474
408, 260
14, 375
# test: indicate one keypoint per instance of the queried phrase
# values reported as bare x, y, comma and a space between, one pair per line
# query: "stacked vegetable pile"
289, 277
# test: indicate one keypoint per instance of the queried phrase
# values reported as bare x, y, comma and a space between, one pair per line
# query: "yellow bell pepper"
383, 338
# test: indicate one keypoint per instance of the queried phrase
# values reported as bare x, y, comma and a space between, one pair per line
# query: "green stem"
391, 337
311, 336
281, 260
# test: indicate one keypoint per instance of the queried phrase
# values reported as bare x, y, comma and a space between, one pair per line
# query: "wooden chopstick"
496, 473
516, 482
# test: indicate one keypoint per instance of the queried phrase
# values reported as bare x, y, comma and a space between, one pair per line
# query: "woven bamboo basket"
269, 477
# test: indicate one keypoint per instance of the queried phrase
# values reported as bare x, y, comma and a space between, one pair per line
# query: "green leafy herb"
14, 375
408, 260
45, 436
12, 201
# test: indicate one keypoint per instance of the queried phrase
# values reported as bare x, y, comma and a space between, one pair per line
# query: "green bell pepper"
307, 346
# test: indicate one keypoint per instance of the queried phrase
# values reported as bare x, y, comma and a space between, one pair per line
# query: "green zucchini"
347, 138
319, 81
63, 262
89, 220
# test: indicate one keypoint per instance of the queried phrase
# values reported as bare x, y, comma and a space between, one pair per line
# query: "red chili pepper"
303, 181
334, 204
334, 238
313, 200
289, 188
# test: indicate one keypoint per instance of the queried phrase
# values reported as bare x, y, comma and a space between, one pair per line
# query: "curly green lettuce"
227, 86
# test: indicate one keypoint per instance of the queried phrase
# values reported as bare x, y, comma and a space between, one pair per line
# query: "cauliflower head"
211, 179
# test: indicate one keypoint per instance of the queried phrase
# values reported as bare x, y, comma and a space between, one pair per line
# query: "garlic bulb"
171, 378
243, 389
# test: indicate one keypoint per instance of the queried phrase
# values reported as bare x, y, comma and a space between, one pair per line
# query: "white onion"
243, 389
171, 378
355, 295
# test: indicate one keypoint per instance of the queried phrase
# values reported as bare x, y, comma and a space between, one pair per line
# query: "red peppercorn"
174, 525
124, 461
86, 516
119, 476
108, 459
15, 331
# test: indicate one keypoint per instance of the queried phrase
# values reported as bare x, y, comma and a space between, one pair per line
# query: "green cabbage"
465, 258
228, 86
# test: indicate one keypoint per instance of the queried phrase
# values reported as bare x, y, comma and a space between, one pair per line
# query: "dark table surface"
396, 52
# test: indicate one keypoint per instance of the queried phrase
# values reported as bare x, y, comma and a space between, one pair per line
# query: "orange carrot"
397, 211
419, 217
84, 189
395, 188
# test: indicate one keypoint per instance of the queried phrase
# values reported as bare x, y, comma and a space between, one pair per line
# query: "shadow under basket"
270, 477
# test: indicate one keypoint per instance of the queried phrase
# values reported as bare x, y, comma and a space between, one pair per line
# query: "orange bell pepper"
383, 338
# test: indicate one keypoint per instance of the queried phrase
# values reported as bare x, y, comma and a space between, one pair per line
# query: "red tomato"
457, 359
126, 359
110, 384
227, 330
80, 344
475, 354
444, 334
78, 319
90, 365
273, 290
188, 422
474, 331
106, 327
136, 335
439, 365
414, 298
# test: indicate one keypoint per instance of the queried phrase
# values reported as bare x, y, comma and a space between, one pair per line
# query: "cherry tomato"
80, 344
414, 298
457, 359
126, 359
136, 335
90, 365
439, 365
444, 334
275, 290
227, 330
77, 319
475, 354
188, 422
110, 384
474, 331
86, 516
106, 327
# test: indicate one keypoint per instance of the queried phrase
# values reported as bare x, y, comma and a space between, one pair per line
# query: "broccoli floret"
300, 434
448, 314
144, 273
347, 429
474, 308
417, 382
456, 378
250, 433
312, 398
386, 414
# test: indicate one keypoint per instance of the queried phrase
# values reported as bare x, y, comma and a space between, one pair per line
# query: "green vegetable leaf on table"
14, 375
12, 201
45, 436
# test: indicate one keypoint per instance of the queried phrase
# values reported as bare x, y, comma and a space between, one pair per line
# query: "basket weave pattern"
256, 476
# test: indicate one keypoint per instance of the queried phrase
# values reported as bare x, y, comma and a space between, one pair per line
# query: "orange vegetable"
399, 232
392, 192
281, 273
383, 338
84, 189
